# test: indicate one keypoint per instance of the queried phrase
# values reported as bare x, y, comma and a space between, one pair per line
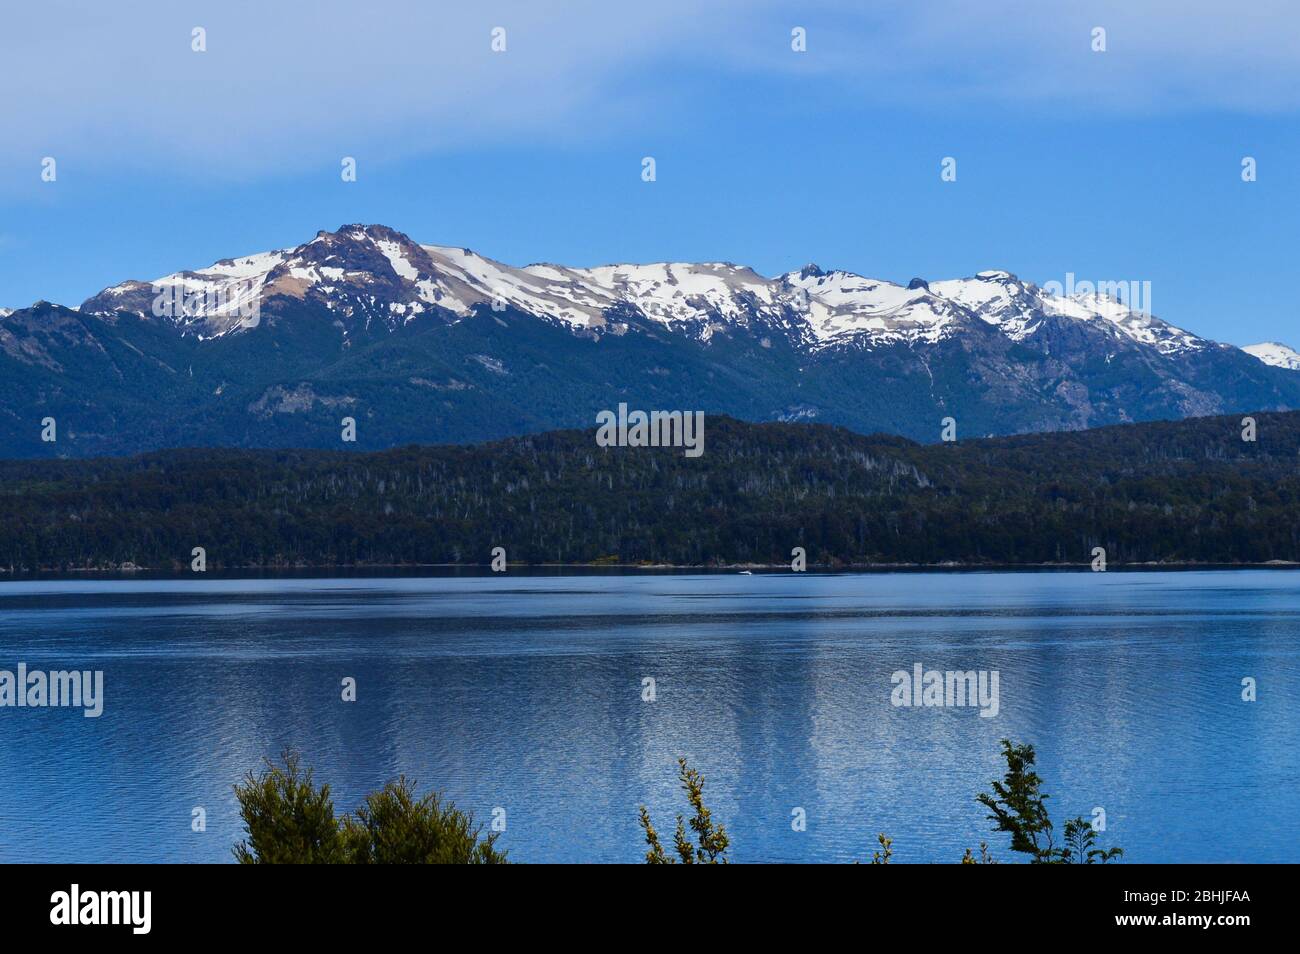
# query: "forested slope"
1185, 491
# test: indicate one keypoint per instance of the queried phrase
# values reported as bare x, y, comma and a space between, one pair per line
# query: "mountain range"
433, 344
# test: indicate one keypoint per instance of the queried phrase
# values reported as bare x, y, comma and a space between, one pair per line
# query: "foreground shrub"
288, 820
1019, 807
711, 840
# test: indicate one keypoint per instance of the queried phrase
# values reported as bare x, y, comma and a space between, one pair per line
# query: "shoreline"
256, 571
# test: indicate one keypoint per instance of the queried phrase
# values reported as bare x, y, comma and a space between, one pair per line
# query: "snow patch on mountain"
841, 306
1135, 325
556, 294
1276, 354
997, 298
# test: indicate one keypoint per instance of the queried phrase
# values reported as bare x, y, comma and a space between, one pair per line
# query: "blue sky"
1122, 165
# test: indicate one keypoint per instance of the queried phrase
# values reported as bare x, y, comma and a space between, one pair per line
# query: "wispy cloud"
1161, 55
281, 84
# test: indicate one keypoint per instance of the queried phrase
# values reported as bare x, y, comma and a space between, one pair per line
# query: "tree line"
1190, 491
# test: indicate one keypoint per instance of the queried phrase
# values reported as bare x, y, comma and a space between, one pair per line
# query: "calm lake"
525, 693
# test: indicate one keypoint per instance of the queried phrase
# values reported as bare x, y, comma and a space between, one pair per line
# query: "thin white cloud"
1161, 55
283, 84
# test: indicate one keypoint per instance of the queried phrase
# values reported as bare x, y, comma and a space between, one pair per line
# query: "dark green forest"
1190, 491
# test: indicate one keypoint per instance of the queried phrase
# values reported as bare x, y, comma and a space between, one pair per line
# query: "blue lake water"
525, 693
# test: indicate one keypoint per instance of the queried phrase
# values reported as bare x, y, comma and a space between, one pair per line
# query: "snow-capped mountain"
431, 343
377, 274
1275, 354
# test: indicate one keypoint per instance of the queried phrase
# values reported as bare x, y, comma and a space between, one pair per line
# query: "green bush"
1019, 808
288, 820
711, 840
